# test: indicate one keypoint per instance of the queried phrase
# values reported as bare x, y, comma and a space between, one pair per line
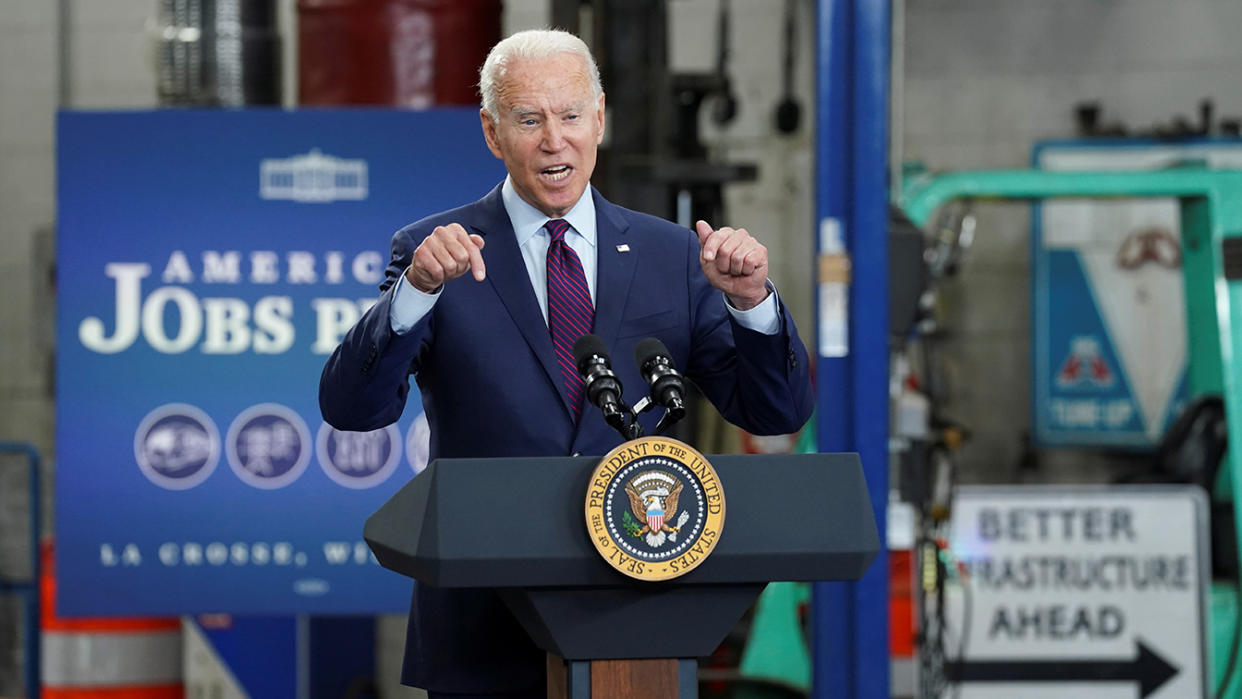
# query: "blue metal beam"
850, 621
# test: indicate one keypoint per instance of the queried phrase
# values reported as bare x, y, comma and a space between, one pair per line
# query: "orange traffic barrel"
106, 657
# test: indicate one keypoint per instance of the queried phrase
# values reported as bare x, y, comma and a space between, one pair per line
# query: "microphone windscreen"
650, 349
586, 347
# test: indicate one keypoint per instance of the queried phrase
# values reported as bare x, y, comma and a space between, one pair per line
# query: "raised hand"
446, 254
735, 263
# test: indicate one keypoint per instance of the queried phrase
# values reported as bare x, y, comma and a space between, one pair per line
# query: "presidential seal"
654, 508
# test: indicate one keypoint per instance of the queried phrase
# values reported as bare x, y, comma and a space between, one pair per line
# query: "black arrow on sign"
1147, 668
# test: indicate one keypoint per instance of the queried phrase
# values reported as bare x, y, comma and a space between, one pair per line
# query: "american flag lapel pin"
623, 247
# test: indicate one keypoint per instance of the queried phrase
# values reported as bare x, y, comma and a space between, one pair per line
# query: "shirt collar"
527, 220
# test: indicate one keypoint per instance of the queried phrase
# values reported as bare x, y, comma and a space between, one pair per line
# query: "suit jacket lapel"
614, 269
506, 271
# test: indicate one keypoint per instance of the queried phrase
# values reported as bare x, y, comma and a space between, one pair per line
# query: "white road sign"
1093, 593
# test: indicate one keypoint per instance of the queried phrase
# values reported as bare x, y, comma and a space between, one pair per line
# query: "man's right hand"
446, 254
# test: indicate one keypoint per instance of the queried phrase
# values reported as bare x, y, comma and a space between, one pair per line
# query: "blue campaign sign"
208, 263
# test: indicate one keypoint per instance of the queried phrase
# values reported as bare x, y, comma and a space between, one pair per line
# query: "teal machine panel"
1210, 219
1109, 346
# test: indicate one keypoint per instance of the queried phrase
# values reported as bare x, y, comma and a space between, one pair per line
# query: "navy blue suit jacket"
490, 386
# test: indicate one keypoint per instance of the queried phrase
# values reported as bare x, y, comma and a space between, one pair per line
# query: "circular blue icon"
359, 460
177, 446
268, 446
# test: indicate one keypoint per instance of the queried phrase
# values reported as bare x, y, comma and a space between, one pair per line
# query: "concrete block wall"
28, 69
106, 68
984, 80
107, 65
111, 55
28, 64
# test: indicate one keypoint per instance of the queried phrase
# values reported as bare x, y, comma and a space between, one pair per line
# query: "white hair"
536, 44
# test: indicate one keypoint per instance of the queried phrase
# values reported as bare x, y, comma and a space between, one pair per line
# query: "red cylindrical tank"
407, 53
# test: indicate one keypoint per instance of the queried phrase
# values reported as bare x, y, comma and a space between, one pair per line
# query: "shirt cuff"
409, 305
764, 318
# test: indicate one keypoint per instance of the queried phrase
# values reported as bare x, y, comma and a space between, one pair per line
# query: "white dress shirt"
409, 304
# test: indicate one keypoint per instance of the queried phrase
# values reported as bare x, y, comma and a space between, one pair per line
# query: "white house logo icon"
313, 178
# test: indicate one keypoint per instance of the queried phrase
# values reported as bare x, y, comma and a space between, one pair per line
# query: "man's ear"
489, 133
603, 118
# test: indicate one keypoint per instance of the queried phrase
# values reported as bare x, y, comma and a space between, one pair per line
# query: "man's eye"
528, 122
571, 117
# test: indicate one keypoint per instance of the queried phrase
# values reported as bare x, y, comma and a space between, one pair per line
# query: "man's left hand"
735, 263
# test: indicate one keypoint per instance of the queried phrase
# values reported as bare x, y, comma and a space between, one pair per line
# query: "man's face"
548, 130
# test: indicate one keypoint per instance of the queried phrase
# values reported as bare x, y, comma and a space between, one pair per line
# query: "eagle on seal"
654, 509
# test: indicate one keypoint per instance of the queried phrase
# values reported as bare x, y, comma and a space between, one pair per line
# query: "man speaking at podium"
483, 303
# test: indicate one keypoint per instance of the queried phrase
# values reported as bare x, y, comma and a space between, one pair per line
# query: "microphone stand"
625, 419
636, 430
666, 421
622, 418
671, 416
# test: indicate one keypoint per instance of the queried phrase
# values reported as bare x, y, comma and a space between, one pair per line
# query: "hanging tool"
788, 112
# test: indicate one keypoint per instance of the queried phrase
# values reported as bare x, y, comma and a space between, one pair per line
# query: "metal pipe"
833, 613
850, 629
869, 332
923, 194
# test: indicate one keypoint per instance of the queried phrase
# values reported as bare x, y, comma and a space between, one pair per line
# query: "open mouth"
556, 173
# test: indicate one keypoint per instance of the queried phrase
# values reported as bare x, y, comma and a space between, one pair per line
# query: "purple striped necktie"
570, 311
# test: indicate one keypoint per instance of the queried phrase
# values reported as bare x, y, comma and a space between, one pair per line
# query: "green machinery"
1211, 229
1211, 225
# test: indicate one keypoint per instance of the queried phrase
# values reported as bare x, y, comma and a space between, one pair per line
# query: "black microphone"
603, 388
667, 388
